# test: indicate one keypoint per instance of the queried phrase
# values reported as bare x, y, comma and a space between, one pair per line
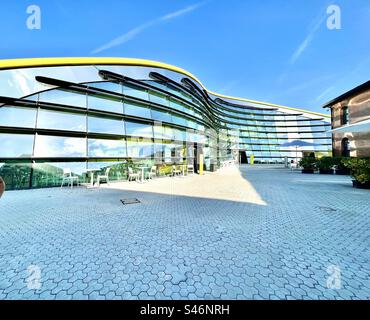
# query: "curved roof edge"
71, 61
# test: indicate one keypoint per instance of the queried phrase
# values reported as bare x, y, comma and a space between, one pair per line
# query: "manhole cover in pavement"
130, 201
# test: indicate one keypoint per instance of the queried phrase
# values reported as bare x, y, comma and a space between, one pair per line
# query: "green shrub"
360, 168
339, 162
325, 163
308, 163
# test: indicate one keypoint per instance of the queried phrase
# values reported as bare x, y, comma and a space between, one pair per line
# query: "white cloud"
324, 93
315, 26
181, 12
131, 34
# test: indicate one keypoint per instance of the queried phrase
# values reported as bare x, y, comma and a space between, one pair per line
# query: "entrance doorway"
243, 159
345, 148
198, 156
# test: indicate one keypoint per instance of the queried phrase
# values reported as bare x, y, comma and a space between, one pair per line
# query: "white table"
142, 173
92, 171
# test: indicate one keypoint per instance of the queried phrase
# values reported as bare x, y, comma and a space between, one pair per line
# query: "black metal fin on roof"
108, 75
83, 88
76, 86
185, 88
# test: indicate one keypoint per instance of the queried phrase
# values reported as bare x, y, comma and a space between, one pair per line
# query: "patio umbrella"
297, 144
361, 126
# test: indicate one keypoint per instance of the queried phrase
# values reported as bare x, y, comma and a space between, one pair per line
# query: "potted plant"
360, 171
325, 165
340, 168
308, 164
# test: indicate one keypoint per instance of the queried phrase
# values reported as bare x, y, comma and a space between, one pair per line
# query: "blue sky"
278, 51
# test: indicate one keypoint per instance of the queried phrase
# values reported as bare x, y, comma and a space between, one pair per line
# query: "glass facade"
130, 116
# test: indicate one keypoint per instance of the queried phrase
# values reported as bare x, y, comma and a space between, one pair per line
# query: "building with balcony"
93, 113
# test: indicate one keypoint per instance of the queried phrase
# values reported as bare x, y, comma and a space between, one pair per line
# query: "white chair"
293, 165
175, 171
190, 168
132, 175
104, 177
152, 173
69, 178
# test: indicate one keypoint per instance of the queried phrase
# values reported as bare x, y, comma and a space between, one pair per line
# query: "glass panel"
133, 92
190, 151
16, 175
17, 117
106, 125
168, 153
109, 86
158, 84
179, 135
117, 170
177, 92
64, 97
158, 130
158, 151
50, 174
33, 97
22, 80
61, 120
191, 124
139, 129
104, 103
139, 149
15, 145
137, 110
178, 120
161, 116
106, 148
177, 105
165, 133
50, 146
159, 98
137, 164
178, 152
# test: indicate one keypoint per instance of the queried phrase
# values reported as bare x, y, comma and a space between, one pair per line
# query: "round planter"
360, 185
326, 171
308, 171
2, 186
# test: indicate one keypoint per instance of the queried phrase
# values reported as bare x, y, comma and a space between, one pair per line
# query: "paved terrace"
240, 233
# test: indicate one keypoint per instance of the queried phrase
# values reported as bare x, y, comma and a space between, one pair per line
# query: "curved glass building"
93, 113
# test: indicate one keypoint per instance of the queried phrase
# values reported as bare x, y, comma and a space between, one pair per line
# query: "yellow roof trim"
70, 61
